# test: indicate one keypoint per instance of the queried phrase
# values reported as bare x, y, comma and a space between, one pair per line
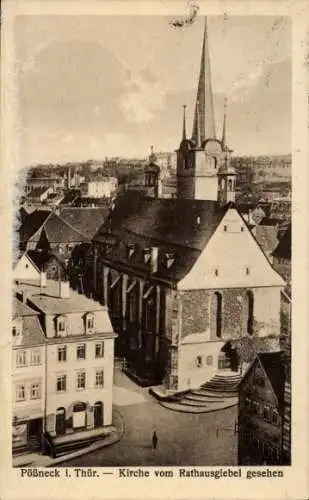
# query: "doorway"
60, 421
98, 414
79, 416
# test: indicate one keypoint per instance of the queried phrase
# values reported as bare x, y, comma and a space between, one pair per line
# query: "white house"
79, 357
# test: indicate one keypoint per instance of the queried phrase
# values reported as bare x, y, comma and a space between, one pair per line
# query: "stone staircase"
60, 445
227, 384
218, 393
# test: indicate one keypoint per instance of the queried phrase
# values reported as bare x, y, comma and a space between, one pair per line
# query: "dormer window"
147, 255
61, 326
89, 323
170, 259
17, 331
131, 250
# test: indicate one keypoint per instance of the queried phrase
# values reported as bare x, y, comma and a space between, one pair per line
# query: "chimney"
64, 289
43, 279
154, 259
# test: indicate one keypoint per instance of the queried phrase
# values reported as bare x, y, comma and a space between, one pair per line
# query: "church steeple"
223, 140
203, 162
184, 132
198, 140
204, 109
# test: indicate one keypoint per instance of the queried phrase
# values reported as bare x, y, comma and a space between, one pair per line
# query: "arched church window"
230, 184
218, 311
250, 299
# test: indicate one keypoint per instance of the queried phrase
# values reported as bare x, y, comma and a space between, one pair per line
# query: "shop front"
26, 433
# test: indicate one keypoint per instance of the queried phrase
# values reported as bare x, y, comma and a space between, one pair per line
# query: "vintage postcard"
155, 159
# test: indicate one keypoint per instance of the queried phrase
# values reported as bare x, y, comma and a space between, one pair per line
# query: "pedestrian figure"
154, 440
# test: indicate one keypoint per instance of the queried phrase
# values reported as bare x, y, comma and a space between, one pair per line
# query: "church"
186, 283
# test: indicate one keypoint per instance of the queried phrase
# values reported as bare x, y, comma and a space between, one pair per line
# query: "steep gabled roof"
32, 223
21, 309
181, 222
267, 237
181, 227
32, 333
58, 230
273, 366
39, 258
37, 192
70, 196
272, 363
284, 247
86, 220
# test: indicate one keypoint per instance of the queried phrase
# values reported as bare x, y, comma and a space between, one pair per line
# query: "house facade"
28, 377
79, 342
260, 411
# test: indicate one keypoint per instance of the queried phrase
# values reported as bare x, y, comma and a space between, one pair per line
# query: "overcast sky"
96, 86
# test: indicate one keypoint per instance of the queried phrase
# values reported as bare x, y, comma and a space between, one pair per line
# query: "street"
183, 438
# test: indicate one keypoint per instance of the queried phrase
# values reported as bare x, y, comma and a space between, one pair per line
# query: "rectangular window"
99, 350
147, 255
36, 357
62, 353
99, 378
174, 363
81, 351
132, 307
21, 359
15, 331
20, 392
275, 417
266, 413
35, 391
209, 360
255, 407
61, 325
90, 322
62, 383
81, 380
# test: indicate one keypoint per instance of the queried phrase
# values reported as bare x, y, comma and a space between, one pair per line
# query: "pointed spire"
184, 132
224, 126
204, 99
152, 156
198, 127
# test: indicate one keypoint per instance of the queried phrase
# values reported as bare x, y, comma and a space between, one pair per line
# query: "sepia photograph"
151, 280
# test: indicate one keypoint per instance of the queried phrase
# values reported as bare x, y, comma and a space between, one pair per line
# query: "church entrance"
228, 358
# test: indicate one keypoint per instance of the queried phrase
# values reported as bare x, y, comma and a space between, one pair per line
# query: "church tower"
226, 172
153, 181
199, 158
